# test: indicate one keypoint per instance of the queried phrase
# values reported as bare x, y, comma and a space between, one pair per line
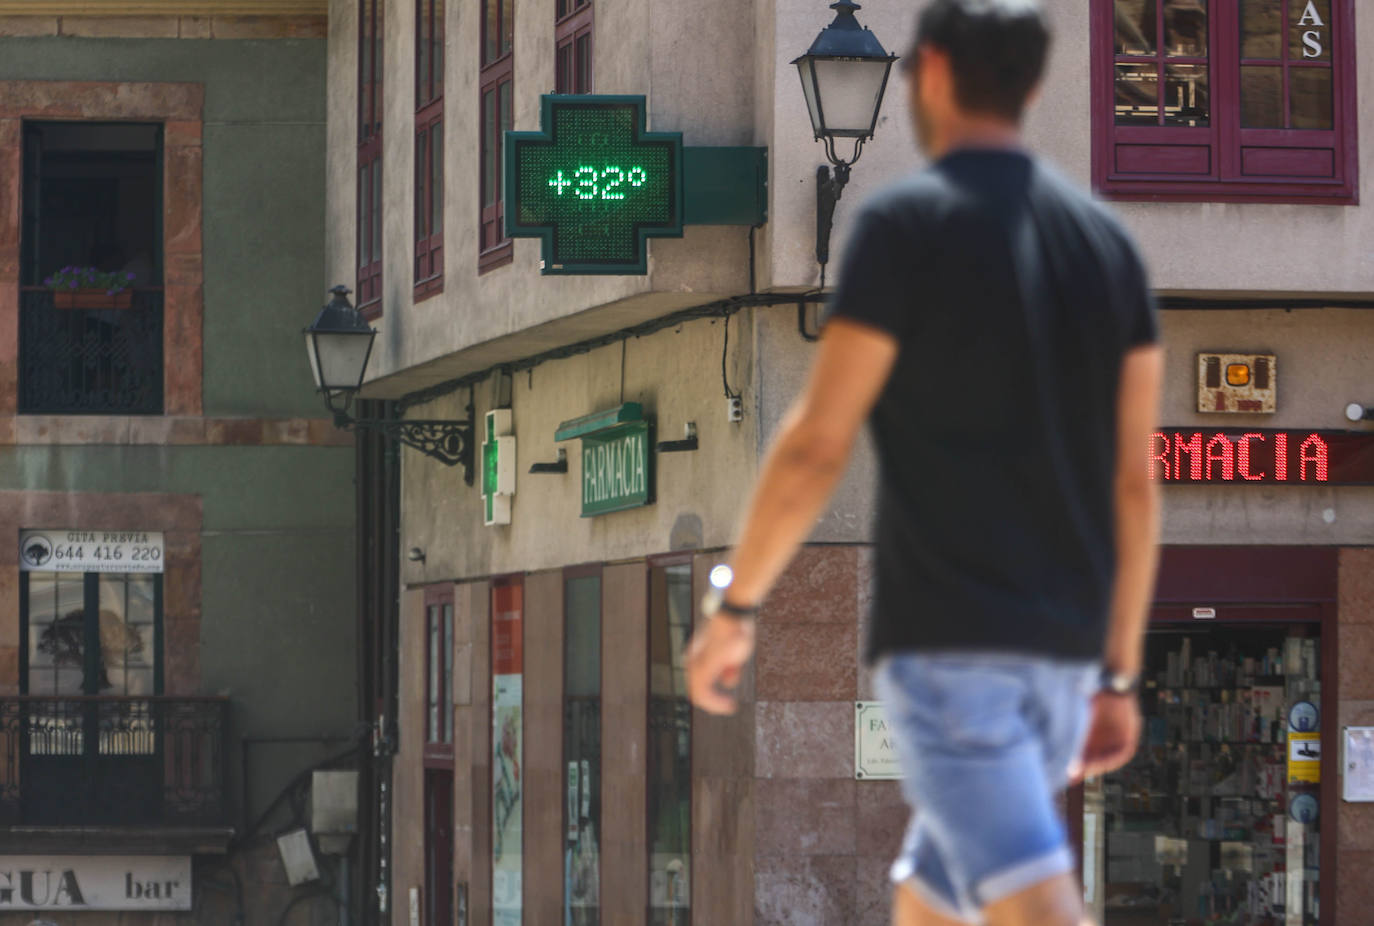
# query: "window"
92, 199
438, 756
573, 41
508, 751
439, 673
429, 147
582, 747
370, 69
669, 757
1227, 99
498, 22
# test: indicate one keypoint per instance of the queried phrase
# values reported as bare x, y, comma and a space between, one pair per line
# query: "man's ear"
933, 70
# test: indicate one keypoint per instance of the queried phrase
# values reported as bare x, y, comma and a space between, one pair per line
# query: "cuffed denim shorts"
985, 741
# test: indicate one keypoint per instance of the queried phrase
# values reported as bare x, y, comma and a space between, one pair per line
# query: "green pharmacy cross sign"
594, 185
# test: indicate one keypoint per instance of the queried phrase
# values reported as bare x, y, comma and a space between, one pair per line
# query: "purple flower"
72, 285
129, 277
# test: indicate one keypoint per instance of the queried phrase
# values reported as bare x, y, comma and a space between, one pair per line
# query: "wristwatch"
1118, 683
714, 602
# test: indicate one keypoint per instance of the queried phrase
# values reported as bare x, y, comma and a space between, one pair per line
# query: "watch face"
721, 576
1303, 717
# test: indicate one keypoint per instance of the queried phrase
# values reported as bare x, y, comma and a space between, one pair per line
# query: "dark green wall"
277, 630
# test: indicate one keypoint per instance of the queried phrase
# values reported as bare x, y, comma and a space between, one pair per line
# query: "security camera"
416, 555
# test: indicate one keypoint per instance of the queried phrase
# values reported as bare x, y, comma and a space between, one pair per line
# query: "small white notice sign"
95, 882
875, 753
90, 551
1358, 764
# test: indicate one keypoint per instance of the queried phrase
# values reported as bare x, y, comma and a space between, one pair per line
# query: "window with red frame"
1225, 100
495, 82
429, 147
438, 756
573, 41
369, 249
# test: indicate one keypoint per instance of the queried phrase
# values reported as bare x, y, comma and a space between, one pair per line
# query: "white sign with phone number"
90, 551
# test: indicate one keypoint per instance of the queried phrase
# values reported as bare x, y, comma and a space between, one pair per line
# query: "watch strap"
735, 610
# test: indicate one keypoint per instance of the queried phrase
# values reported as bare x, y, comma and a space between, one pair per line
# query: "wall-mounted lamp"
339, 343
843, 75
415, 555
558, 466
688, 442
1357, 412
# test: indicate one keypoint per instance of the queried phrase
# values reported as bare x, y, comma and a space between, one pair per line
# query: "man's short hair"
996, 48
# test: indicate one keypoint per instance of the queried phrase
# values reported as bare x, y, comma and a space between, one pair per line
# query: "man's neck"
976, 133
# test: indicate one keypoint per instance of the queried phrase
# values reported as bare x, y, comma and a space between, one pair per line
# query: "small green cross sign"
498, 468
593, 184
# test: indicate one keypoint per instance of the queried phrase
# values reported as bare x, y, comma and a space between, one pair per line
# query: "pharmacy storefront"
1220, 817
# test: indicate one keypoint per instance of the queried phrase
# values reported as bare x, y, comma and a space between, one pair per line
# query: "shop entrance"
1219, 818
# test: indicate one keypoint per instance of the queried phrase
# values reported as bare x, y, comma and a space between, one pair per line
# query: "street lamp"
843, 75
339, 343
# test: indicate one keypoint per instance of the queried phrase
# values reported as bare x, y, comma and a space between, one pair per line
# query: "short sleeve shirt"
1014, 298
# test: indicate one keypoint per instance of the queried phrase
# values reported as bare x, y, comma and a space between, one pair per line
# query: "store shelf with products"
1209, 824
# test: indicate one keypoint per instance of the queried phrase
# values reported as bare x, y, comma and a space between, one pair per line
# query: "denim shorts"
985, 741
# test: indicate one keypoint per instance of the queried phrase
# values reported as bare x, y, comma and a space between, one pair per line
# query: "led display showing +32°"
595, 185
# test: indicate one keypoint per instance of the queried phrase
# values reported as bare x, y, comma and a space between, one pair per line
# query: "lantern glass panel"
808, 79
850, 91
340, 359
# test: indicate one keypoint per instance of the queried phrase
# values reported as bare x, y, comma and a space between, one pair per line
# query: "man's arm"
800, 471
1115, 726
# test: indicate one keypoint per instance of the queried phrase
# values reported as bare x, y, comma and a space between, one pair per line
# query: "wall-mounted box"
1237, 383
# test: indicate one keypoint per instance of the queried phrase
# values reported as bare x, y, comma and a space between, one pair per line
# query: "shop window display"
1217, 819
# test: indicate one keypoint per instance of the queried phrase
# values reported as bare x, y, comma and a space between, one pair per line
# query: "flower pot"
91, 299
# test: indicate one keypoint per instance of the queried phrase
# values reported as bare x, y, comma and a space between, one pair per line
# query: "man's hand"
1113, 734
715, 660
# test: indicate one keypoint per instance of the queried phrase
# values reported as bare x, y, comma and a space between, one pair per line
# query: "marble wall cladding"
872, 891
1356, 577
823, 841
806, 662
1355, 668
1355, 897
819, 889
804, 739
624, 709
818, 587
477, 874
1355, 656
543, 747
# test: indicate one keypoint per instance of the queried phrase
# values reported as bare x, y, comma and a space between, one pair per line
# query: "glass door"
92, 646
1217, 819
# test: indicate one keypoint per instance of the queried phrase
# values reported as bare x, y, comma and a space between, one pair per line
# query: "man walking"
996, 327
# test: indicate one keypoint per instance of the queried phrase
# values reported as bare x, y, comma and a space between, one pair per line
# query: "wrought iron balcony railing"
131, 761
100, 361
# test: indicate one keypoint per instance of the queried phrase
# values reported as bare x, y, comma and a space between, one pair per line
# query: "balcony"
94, 761
104, 361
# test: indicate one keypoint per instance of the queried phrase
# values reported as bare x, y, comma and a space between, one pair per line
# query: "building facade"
178, 517
540, 764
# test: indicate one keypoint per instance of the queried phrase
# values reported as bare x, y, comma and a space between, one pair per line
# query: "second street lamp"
843, 75
339, 344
